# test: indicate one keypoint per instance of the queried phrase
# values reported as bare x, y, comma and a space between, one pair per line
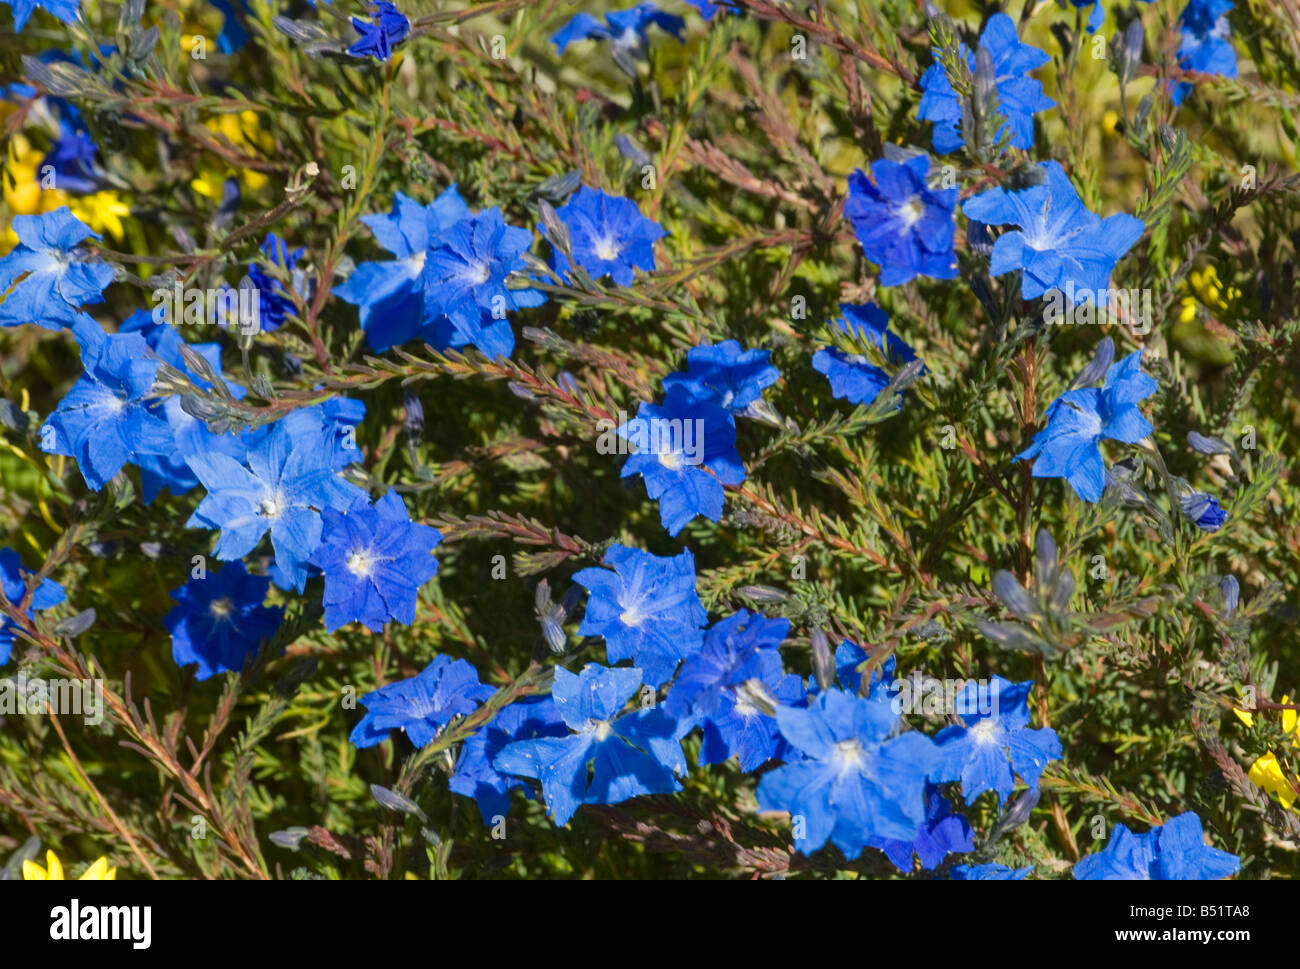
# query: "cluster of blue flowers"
835, 753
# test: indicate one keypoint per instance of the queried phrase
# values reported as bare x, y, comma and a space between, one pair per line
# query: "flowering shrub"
744, 438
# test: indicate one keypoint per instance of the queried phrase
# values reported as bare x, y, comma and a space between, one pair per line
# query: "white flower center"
631, 616
600, 729
415, 264
361, 562
986, 731
221, 608
272, 505
607, 249
849, 755
477, 274
910, 212
672, 460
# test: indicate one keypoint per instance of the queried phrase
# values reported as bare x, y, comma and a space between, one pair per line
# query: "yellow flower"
1267, 771
1108, 122
53, 871
243, 130
102, 211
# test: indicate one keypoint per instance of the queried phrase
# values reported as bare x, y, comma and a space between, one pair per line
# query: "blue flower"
849, 656
377, 39
1060, 244
626, 28
1204, 46
856, 781
634, 754
290, 477
56, 278
854, 377
1019, 97
420, 705
274, 303
105, 420
390, 294
464, 280
1203, 511
1175, 851
14, 585
219, 620
609, 236
989, 873
375, 559
1068, 447
725, 373
904, 226
685, 453
475, 776
941, 833
190, 436
994, 739
708, 8
646, 609
73, 160
720, 685
333, 423
233, 36
65, 10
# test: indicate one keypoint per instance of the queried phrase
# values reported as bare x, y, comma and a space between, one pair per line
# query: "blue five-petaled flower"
905, 226
646, 609
219, 620
375, 559
14, 585
421, 705
377, 39
54, 277
993, 740
1019, 97
609, 236
1174, 851
1068, 447
607, 758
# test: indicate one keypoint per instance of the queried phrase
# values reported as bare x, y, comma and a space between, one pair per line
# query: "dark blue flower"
219, 620
989, 873
849, 656
53, 276
1059, 244
73, 160
1204, 45
852, 376
1019, 97
475, 777
274, 303
941, 833
685, 451
290, 477
375, 559
608, 758
105, 420
1203, 511
14, 585
725, 373
905, 226
390, 294
728, 683
646, 609
858, 779
626, 28
609, 234
464, 280
1175, 851
1068, 447
377, 39
65, 10
420, 705
993, 740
